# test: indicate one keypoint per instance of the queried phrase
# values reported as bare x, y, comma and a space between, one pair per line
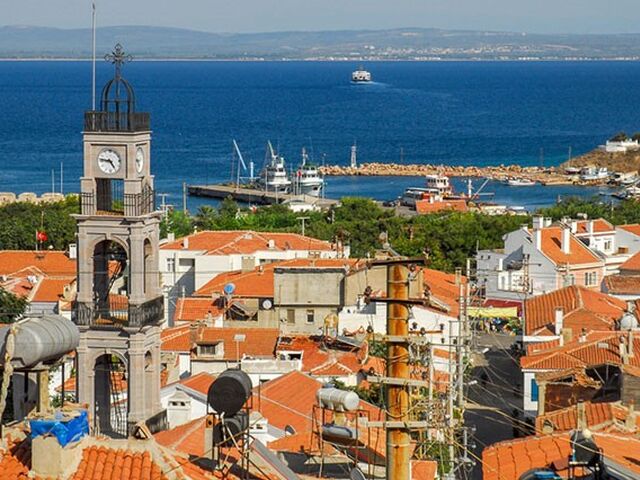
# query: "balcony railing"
119, 313
117, 122
130, 204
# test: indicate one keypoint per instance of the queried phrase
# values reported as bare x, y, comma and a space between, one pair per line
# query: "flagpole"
93, 56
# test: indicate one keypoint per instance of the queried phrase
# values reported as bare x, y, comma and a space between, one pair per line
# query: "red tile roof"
177, 339
15, 461
51, 289
633, 228
605, 417
623, 284
187, 438
579, 253
258, 342
102, 463
424, 469
600, 225
443, 287
189, 309
258, 283
583, 308
596, 349
632, 264
508, 460
48, 262
247, 242
426, 206
199, 383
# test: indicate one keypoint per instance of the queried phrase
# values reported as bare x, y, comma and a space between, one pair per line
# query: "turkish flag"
41, 236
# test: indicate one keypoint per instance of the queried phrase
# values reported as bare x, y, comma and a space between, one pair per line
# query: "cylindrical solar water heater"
224, 433
228, 393
338, 400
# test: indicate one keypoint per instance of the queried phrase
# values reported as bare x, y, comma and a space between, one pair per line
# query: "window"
291, 315
607, 245
171, 264
534, 390
207, 349
569, 280
187, 263
311, 316
591, 279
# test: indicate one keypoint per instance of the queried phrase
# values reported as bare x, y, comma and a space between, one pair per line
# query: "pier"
254, 195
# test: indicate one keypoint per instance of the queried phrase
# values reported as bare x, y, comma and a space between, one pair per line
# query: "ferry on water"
274, 176
308, 179
440, 183
361, 76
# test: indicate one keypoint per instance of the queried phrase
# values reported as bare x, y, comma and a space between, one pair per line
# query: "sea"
452, 113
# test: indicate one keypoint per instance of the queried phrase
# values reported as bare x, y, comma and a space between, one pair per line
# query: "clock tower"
119, 304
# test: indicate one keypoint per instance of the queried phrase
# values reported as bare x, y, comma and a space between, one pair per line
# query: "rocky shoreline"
546, 176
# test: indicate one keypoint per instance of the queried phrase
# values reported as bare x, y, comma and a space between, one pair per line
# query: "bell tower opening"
119, 305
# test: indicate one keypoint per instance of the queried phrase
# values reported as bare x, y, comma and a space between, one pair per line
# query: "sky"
533, 16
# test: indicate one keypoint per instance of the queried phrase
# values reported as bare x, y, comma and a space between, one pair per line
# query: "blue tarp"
65, 431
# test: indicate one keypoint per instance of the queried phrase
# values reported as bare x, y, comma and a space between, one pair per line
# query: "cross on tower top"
118, 57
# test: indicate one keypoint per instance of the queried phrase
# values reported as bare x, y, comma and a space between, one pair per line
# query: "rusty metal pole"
398, 439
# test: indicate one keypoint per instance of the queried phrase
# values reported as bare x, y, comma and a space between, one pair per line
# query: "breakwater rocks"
500, 172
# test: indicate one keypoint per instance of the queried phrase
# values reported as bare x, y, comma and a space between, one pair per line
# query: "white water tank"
337, 400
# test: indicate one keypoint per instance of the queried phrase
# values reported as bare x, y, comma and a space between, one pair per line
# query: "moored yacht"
308, 179
439, 183
274, 176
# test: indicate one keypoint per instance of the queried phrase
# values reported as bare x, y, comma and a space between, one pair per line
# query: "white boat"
520, 182
361, 76
413, 194
628, 193
308, 180
440, 183
593, 173
273, 177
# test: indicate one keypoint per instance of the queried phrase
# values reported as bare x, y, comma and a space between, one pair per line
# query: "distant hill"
401, 43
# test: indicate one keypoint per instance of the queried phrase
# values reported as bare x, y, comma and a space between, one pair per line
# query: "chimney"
624, 353
590, 227
178, 409
171, 237
271, 244
581, 414
574, 226
630, 421
73, 251
566, 238
559, 321
185, 243
538, 225
630, 346
458, 276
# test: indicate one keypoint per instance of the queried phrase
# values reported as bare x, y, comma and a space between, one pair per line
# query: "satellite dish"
356, 474
229, 288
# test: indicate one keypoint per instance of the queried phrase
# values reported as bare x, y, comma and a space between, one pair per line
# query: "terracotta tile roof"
600, 225
259, 342
119, 382
189, 309
176, 339
426, 206
443, 287
631, 265
48, 262
187, 438
597, 348
633, 228
583, 308
323, 360
15, 460
199, 383
258, 283
579, 253
623, 284
599, 417
51, 289
247, 242
102, 463
508, 460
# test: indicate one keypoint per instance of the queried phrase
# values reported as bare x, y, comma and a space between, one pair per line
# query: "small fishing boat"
521, 182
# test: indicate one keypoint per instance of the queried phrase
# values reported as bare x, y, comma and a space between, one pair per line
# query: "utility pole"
302, 220
398, 439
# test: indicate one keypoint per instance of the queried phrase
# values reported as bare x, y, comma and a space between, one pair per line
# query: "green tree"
11, 306
177, 222
619, 137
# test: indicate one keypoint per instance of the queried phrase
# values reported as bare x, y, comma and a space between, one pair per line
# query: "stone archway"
111, 405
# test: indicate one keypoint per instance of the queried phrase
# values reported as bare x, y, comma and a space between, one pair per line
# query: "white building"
547, 257
622, 146
190, 262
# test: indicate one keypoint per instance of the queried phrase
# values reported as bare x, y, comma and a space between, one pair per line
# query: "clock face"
139, 159
109, 161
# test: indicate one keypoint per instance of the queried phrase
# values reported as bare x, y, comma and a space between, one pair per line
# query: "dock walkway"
254, 195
